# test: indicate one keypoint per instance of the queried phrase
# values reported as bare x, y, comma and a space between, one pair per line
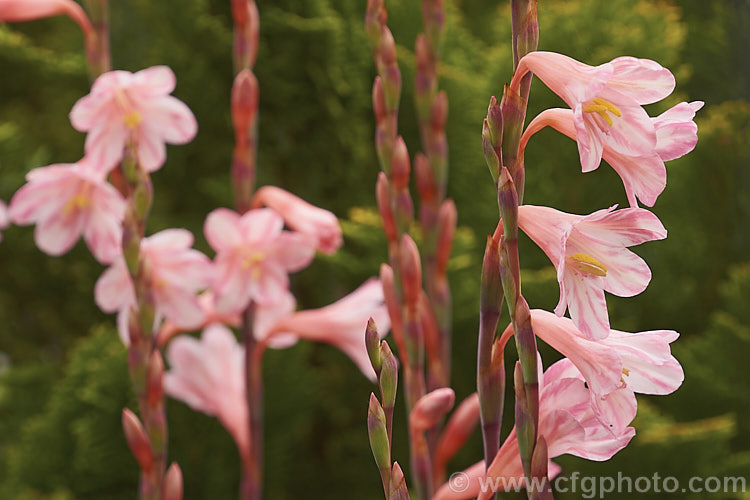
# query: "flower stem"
97, 43
252, 470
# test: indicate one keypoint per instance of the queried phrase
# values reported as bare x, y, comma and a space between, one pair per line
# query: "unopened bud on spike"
457, 431
490, 155
137, 440
495, 121
440, 111
372, 342
378, 434
394, 310
425, 179
447, 217
540, 459
411, 269
155, 379
430, 408
378, 100
375, 17
507, 199
239, 12
173, 483
388, 375
399, 491
244, 103
400, 166
384, 206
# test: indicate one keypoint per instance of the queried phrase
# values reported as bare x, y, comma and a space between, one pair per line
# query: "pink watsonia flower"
341, 324
302, 217
209, 376
174, 273
569, 425
606, 100
4, 219
591, 256
616, 367
253, 256
126, 107
645, 176
13, 11
67, 201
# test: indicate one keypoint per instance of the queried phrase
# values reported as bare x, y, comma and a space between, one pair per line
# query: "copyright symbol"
458, 482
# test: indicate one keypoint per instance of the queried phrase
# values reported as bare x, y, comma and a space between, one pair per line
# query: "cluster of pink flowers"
587, 399
254, 253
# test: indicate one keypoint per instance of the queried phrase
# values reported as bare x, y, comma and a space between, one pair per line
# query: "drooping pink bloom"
645, 176
13, 11
606, 100
69, 200
253, 256
569, 426
174, 273
341, 324
209, 376
430, 408
4, 219
614, 368
591, 256
302, 217
137, 107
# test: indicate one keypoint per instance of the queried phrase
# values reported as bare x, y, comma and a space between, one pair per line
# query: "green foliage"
60, 402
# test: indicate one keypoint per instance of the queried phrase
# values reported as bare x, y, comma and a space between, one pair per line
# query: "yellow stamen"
75, 203
626, 372
587, 264
252, 260
132, 119
602, 107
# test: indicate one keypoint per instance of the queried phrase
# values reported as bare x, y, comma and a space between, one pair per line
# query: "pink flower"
302, 217
4, 220
253, 256
209, 376
137, 107
341, 324
14, 11
606, 100
67, 201
644, 176
614, 368
591, 256
174, 273
569, 426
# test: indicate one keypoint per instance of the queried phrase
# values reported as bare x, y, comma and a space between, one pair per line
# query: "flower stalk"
97, 42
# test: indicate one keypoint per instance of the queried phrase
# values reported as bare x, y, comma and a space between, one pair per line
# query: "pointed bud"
430, 408
173, 483
433, 16
399, 491
490, 155
394, 310
447, 217
378, 100
389, 69
244, 103
378, 435
514, 113
384, 206
507, 199
372, 342
430, 331
457, 431
540, 459
425, 179
491, 287
425, 83
252, 32
388, 375
526, 27
440, 111
524, 424
411, 270
375, 17
155, 379
137, 440
400, 166
239, 12
495, 122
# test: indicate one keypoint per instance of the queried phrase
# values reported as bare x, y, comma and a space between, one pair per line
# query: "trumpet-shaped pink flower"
174, 273
569, 426
253, 256
13, 11
67, 201
137, 107
644, 177
302, 217
614, 368
4, 220
606, 100
209, 376
341, 324
591, 256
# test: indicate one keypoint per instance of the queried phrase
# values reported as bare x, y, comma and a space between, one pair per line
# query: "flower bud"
155, 388
400, 166
399, 491
376, 429
372, 343
394, 310
384, 206
447, 217
411, 270
430, 408
137, 440
378, 100
490, 154
244, 103
388, 375
495, 121
173, 483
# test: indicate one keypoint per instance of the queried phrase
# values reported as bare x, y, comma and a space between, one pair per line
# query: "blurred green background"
63, 377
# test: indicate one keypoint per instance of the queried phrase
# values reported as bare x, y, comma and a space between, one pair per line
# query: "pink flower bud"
430, 408
244, 103
461, 424
155, 390
173, 483
400, 166
137, 440
378, 100
394, 310
384, 206
425, 178
447, 226
411, 270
